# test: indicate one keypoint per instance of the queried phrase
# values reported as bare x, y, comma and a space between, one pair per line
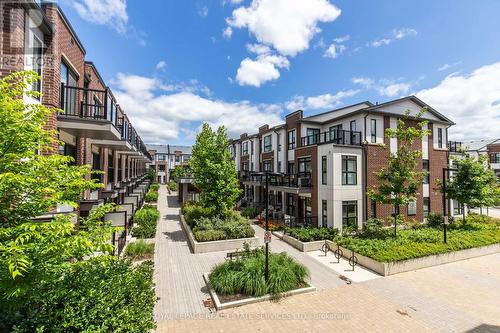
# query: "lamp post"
445, 212
266, 270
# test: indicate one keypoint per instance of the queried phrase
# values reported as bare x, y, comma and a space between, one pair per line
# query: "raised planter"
303, 246
214, 246
250, 300
390, 268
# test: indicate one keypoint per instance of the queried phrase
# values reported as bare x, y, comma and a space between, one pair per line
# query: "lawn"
410, 244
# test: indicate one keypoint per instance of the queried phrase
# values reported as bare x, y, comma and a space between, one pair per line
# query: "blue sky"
244, 63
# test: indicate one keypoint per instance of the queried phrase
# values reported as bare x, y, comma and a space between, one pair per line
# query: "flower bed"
273, 224
146, 220
311, 234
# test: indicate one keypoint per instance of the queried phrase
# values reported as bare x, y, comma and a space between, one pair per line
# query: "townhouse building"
92, 127
321, 166
165, 158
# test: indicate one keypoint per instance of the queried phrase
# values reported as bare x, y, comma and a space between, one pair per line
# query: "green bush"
101, 294
139, 250
482, 219
192, 212
373, 226
145, 220
154, 187
435, 220
209, 235
250, 212
172, 185
151, 196
310, 234
233, 228
246, 276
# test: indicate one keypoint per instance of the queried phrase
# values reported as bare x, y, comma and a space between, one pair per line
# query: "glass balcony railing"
340, 137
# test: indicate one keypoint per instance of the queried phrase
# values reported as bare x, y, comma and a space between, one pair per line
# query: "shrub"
146, 220
373, 226
101, 294
209, 235
435, 220
172, 185
482, 219
246, 275
154, 187
233, 228
139, 250
310, 234
151, 196
193, 212
250, 212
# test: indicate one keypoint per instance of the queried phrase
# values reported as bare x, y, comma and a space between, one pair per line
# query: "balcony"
299, 183
455, 146
339, 137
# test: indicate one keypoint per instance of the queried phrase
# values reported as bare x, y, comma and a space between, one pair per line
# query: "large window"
290, 204
349, 170
373, 130
427, 206
335, 132
349, 214
324, 213
440, 137
291, 139
251, 147
34, 52
244, 148
324, 170
412, 208
495, 158
290, 168
279, 166
69, 78
305, 165
312, 136
278, 141
457, 208
352, 125
268, 165
425, 170
373, 209
267, 143
111, 168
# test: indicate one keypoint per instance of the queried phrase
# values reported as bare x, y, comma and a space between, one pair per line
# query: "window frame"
440, 137
345, 213
244, 148
292, 140
373, 130
346, 172
324, 170
413, 210
426, 170
324, 213
312, 135
426, 202
373, 209
267, 146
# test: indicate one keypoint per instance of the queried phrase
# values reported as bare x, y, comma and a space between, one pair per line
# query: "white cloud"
203, 11
264, 68
112, 13
287, 25
258, 49
325, 101
448, 66
227, 32
396, 34
161, 65
160, 116
232, 2
384, 87
342, 39
472, 101
334, 50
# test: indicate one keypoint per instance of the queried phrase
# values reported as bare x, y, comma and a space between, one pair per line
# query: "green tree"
213, 169
179, 172
473, 184
398, 183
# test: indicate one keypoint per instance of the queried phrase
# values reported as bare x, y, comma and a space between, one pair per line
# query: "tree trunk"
396, 217
463, 214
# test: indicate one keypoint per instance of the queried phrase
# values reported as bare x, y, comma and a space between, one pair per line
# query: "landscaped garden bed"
309, 238
242, 281
145, 220
208, 232
140, 250
411, 249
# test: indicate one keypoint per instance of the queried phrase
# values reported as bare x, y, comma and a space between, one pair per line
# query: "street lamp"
266, 271
445, 212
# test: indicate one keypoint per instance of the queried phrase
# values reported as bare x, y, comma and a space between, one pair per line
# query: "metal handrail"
341, 137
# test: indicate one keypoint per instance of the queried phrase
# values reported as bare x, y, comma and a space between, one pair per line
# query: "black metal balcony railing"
454, 146
340, 137
300, 222
297, 180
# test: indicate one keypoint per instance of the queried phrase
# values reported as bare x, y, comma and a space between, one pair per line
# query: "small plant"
172, 185
154, 187
139, 250
151, 196
209, 235
250, 212
373, 226
435, 220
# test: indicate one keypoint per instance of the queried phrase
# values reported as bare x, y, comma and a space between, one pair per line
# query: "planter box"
390, 268
215, 246
303, 246
222, 306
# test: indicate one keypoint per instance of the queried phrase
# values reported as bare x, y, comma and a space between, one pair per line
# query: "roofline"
90, 63
66, 22
47, 26
335, 110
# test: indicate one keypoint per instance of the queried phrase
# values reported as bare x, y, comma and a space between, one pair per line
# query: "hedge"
145, 220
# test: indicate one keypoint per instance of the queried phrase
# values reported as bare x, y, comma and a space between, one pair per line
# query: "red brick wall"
12, 20
438, 159
267, 156
311, 151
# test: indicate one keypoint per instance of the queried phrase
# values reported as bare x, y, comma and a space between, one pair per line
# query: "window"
291, 140
161, 167
440, 137
251, 147
244, 148
335, 132
373, 130
68, 150
495, 158
349, 214
427, 206
279, 166
111, 168
352, 125
268, 165
161, 157
245, 166
68, 78
324, 170
457, 208
412, 208
425, 169
290, 168
305, 165
177, 158
267, 143
37, 63
324, 214
373, 211
312, 136
278, 141
34, 52
290, 209
349, 170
